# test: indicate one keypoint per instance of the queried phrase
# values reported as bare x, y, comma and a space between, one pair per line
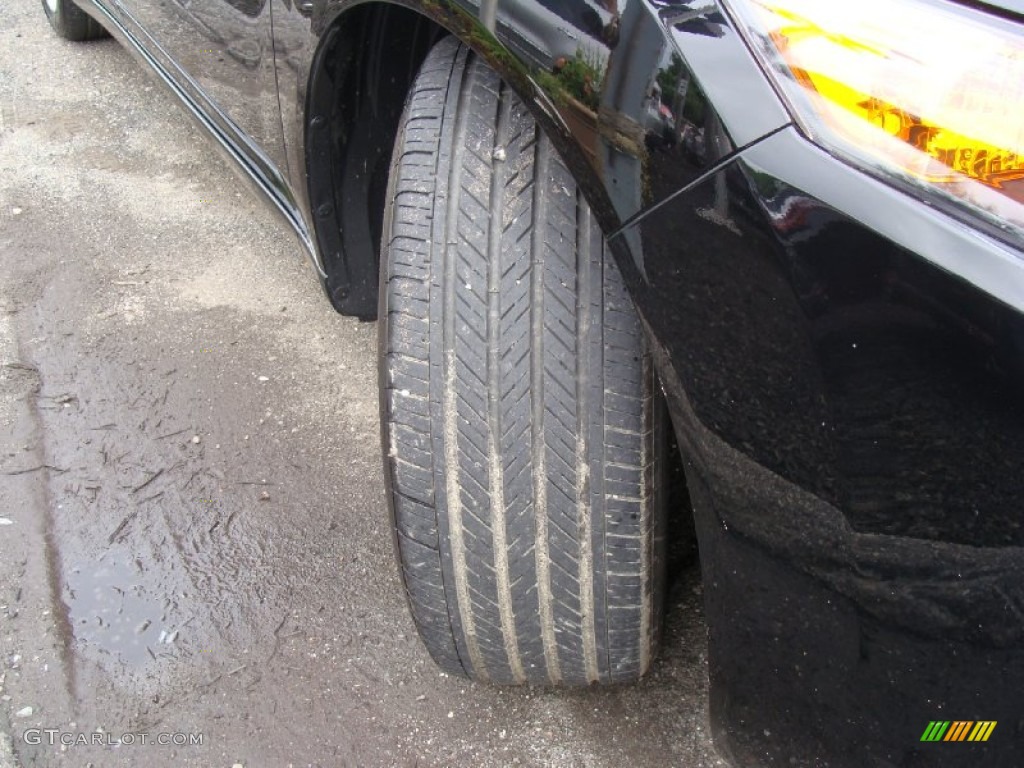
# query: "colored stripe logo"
958, 730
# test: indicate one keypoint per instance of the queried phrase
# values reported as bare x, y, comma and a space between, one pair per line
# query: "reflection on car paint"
817, 397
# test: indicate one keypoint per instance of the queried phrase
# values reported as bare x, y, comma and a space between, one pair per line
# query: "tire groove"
496, 471
542, 555
583, 501
451, 462
646, 543
603, 449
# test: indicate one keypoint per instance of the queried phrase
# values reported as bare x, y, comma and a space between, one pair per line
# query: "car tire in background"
521, 417
71, 22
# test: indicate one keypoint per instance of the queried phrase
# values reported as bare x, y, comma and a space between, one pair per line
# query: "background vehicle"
844, 384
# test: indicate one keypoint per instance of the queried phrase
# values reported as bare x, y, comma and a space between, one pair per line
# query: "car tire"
71, 22
519, 407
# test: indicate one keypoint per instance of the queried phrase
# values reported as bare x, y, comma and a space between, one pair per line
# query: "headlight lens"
926, 93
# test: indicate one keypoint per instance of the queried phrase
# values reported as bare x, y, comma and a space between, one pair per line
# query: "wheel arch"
351, 124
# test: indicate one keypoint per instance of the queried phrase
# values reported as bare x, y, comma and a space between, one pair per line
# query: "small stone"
450, 714
196, 439
421, 697
264, 378
264, 496
6, 521
16, 211
24, 712
237, 765
499, 154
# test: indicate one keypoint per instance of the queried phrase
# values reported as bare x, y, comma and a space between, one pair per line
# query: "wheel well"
361, 76
362, 73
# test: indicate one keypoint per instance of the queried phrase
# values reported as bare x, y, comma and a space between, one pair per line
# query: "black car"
782, 238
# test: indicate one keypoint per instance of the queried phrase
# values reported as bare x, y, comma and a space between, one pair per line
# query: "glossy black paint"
250, 161
844, 364
852, 414
225, 47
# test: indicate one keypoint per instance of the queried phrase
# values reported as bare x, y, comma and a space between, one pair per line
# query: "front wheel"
523, 452
71, 22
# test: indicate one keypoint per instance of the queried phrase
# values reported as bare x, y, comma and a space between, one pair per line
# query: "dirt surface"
193, 534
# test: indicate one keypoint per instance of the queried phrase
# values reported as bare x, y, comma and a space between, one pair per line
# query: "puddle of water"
110, 610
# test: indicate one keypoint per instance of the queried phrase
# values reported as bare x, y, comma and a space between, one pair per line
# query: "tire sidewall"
71, 22
384, 276
55, 16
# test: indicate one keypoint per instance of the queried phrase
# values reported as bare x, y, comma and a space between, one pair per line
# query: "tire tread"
516, 398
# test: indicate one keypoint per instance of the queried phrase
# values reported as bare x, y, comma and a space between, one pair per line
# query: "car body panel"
597, 114
248, 159
844, 363
226, 49
852, 413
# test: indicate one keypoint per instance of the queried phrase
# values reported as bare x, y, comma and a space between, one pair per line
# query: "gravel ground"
193, 534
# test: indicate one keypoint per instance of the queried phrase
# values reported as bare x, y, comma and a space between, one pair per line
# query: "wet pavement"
194, 542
